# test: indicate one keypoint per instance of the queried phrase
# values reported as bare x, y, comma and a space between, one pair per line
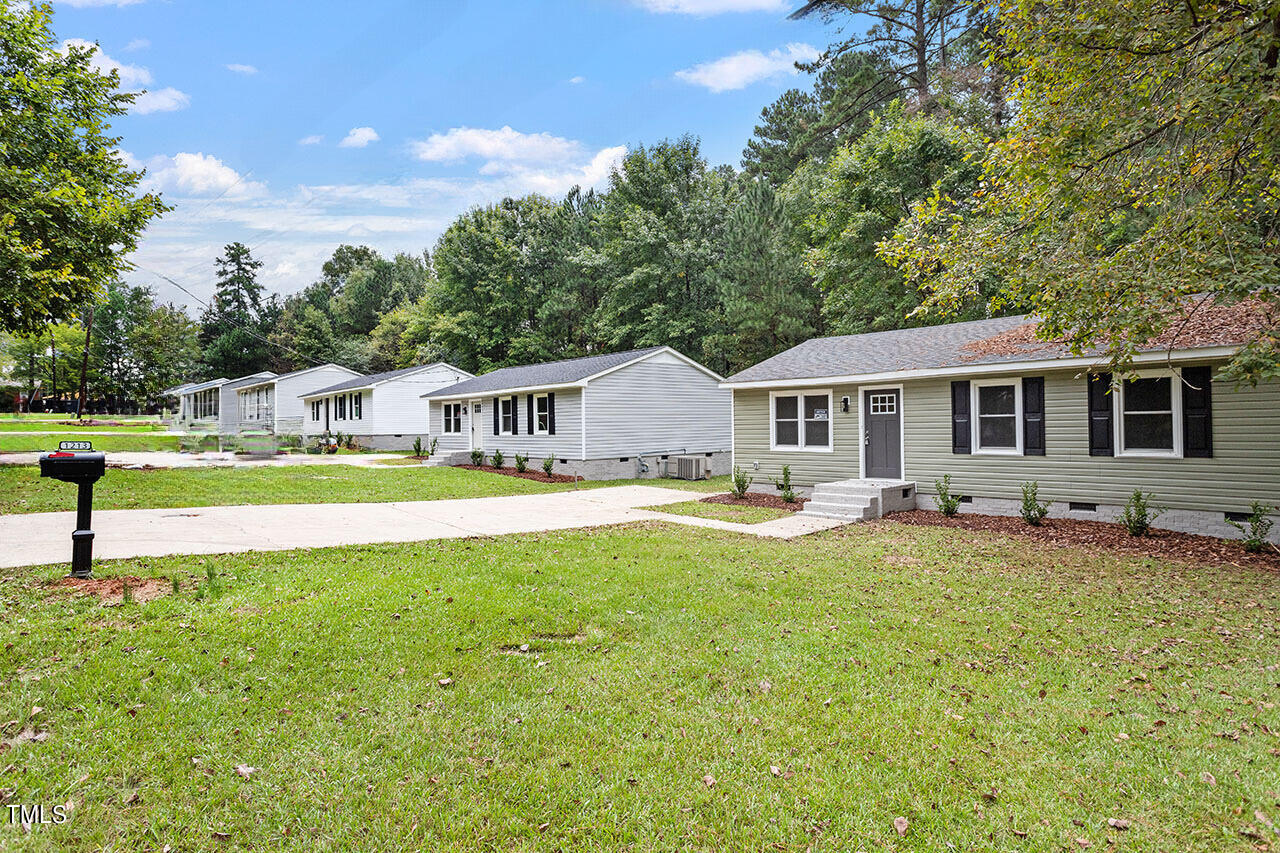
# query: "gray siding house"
384, 410
274, 404
603, 417
882, 414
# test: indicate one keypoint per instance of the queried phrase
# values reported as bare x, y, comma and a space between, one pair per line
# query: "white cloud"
313, 139
714, 7
134, 78
750, 66
164, 100
138, 44
241, 69
359, 137
498, 146
197, 175
576, 79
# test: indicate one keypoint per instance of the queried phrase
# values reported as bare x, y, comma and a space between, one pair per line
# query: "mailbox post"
83, 469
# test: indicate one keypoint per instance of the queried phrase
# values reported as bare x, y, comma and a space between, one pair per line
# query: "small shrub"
522, 463
498, 459
948, 503
431, 451
784, 485
1255, 534
1138, 513
417, 446
547, 465
740, 483
1033, 512
477, 458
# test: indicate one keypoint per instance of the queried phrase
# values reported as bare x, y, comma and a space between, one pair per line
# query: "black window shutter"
515, 415
1197, 411
1101, 434
528, 402
960, 434
551, 412
1033, 416
496, 406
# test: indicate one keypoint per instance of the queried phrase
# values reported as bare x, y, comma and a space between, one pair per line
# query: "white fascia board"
500, 392
986, 368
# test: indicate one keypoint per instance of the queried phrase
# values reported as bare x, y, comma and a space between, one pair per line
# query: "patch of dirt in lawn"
1067, 532
111, 590
755, 499
538, 476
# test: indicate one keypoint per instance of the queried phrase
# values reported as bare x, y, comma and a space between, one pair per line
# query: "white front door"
477, 425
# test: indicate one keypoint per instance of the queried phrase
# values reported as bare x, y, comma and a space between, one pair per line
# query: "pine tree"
235, 325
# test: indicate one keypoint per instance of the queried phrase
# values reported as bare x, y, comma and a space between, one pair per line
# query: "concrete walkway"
38, 538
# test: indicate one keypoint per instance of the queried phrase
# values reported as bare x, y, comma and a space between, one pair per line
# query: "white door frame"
474, 423
902, 428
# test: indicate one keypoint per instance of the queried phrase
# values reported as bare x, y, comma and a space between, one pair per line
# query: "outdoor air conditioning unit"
689, 468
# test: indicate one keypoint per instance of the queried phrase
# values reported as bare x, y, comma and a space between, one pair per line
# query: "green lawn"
995, 694
101, 441
723, 512
24, 424
23, 490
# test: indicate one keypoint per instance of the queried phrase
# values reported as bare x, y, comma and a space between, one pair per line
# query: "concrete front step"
860, 500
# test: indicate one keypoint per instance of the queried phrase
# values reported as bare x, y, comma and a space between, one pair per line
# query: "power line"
250, 332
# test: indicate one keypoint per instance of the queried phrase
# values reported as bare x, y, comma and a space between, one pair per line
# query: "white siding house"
229, 401
385, 410
274, 404
199, 405
604, 417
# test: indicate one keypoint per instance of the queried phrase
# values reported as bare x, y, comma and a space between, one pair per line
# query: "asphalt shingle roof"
251, 379
370, 379
551, 373
994, 341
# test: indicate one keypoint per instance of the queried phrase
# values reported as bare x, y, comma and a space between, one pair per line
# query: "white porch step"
859, 500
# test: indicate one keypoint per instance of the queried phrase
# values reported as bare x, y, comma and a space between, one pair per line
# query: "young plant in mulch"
1257, 529
948, 503
431, 451
498, 459
741, 482
547, 465
1032, 512
784, 485
1139, 513
477, 458
522, 463
417, 447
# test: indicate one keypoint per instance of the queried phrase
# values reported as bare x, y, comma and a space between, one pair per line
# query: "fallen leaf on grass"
445, 682
765, 686
543, 827
1084, 842
900, 825
709, 780
775, 770
1118, 823
1207, 778
245, 771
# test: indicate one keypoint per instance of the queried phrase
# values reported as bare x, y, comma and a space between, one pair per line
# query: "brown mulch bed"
90, 422
755, 499
111, 590
1067, 532
538, 475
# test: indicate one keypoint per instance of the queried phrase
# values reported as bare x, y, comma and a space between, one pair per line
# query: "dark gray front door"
882, 428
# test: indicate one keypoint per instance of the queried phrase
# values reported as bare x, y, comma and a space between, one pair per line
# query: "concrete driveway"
37, 538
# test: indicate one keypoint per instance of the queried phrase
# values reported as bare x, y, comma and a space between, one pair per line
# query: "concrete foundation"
615, 468
1199, 522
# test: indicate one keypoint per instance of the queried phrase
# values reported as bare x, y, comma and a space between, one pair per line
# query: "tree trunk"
84, 366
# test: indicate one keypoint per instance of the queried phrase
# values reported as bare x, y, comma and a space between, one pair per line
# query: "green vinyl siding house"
864, 421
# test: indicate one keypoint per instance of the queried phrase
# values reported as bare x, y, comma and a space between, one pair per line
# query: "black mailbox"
83, 469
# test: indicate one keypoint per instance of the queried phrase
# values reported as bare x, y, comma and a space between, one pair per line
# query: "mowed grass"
22, 489
31, 424
678, 692
108, 441
723, 512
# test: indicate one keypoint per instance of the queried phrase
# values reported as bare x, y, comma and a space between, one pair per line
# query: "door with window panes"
882, 434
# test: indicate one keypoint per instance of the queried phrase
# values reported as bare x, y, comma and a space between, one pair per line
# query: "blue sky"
295, 126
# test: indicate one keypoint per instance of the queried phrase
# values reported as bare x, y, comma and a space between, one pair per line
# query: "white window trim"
976, 416
445, 420
800, 394
1175, 403
537, 398
515, 412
